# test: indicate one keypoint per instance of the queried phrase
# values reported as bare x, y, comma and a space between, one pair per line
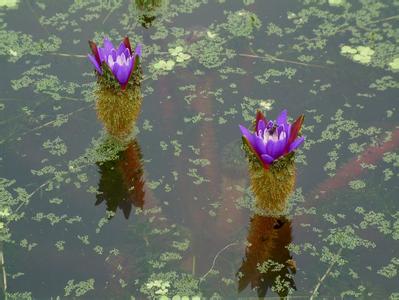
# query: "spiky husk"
272, 187
118, 110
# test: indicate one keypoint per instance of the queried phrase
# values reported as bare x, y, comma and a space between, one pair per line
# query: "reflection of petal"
132, 167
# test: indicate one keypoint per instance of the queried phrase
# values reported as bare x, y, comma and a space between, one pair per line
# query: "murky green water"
169, 213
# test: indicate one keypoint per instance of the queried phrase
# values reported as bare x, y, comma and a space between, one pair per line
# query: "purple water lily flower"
121, 61
273, 139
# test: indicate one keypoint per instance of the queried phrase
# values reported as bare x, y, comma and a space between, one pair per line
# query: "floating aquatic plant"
9, 3
119, 63
148, 11
361, 54
242, 23
394, 64
179, 54
336, 2
164, 65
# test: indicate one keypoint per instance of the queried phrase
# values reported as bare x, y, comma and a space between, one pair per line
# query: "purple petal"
261, 126
295, 144
121, 48
113, 54
259, 146
138, 50
267, 159
282, 118
248, 135
278, 149
123, 75
270, 147
287, 130
114, 68
102, 54
280, 129
108, 46
93, 60
127, 52
122, 72
105, 51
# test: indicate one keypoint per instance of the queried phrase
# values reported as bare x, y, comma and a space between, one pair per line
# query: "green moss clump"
242, 23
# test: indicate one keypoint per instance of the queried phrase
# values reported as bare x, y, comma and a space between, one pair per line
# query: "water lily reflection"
268, 263
121, 183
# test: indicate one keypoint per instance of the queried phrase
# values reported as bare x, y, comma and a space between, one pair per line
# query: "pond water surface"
170, 212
